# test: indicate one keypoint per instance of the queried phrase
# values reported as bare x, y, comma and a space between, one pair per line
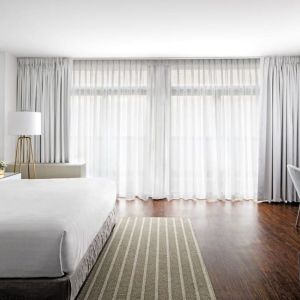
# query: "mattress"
47, 225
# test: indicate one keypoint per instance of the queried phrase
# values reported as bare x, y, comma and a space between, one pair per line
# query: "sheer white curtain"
214, 135
109, 122
168, 129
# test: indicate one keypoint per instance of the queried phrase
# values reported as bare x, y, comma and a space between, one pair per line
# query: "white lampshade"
24, 123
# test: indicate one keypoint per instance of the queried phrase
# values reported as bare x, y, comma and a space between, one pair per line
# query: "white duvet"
47, 225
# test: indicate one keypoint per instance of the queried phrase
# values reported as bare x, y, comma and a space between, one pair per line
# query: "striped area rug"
149, 258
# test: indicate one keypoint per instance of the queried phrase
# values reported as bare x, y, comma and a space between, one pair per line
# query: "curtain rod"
162, 58
159, 58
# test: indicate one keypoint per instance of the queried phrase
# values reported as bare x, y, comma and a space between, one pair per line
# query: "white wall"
8, 92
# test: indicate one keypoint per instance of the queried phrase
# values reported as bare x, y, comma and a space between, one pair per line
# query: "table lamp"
24, 124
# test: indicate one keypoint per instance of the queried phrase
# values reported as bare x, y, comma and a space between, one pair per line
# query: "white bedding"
46, 225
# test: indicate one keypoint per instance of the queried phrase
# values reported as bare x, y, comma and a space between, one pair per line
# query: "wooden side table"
10, 176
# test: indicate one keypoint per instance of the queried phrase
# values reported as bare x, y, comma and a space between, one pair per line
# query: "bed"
51, 233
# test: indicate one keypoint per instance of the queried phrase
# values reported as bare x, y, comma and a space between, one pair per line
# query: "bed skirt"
63, 288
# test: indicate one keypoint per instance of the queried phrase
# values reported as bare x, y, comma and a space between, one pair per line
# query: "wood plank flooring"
250, 250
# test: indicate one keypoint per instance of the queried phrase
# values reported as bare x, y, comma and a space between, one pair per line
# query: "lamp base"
24, 154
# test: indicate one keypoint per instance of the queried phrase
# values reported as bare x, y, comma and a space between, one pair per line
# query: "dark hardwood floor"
250, 250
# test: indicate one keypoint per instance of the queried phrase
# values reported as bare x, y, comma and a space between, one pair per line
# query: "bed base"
62, 288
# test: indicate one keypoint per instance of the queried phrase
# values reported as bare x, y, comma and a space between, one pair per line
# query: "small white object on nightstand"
10, 176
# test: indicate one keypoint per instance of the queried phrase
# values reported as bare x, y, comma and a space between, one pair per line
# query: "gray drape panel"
43, 85
279, 143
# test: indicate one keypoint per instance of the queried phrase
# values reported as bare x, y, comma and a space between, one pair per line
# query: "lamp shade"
24, 123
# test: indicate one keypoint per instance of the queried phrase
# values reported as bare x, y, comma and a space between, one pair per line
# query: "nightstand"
10, 176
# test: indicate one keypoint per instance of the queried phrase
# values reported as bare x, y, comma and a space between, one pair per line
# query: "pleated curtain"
214, 132
110, 117
200, 129
168, 129
279, 142
158, 138
43, 86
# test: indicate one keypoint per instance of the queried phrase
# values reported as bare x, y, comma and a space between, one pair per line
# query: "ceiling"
152, 28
